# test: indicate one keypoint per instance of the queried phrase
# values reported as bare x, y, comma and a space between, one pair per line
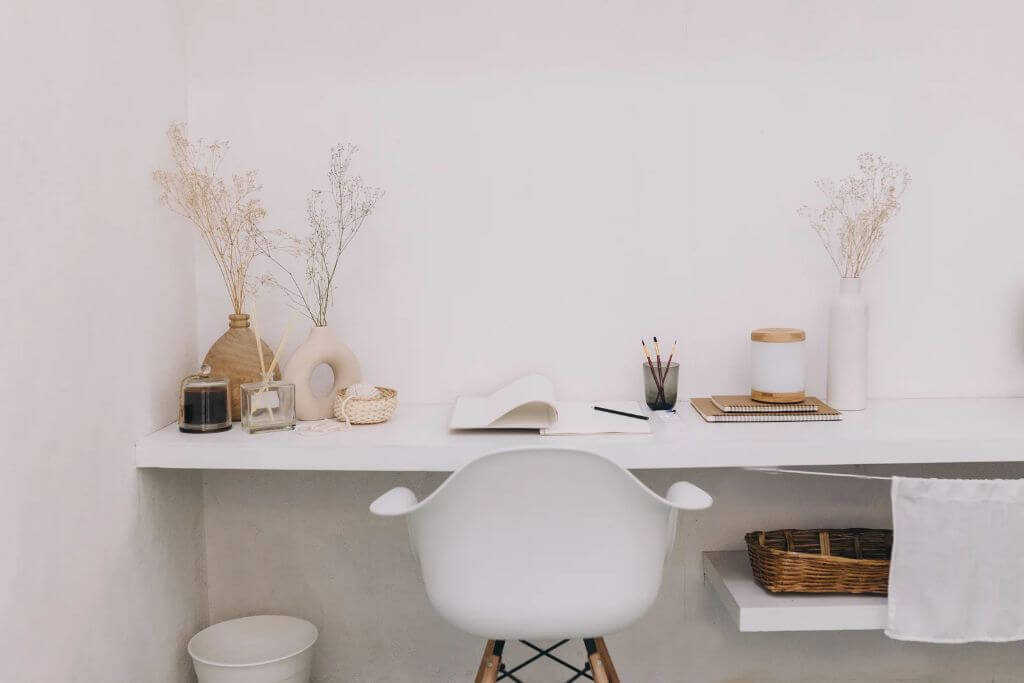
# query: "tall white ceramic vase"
848, 348
320, 348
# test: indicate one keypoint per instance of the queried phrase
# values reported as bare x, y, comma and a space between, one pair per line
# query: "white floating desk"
755, 609
417, 439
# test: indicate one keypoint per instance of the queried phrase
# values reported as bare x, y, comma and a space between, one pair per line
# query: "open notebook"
529, 403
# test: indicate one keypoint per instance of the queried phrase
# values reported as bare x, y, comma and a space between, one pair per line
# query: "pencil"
620, 412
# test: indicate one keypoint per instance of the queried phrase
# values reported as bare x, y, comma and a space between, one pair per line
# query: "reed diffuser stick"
268, 373
280, 346
263, 365
259, 344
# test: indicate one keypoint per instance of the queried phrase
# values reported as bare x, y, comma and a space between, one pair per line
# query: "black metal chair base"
509, 673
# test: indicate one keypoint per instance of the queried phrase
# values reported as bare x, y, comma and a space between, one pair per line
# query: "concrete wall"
303, 543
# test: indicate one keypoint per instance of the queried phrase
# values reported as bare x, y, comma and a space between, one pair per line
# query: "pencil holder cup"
660, 388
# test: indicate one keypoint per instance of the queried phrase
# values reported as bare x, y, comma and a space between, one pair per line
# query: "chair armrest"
396, 502
683, 495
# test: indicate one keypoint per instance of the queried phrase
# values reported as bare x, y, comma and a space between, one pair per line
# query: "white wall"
566, 177
539, 158
101, 572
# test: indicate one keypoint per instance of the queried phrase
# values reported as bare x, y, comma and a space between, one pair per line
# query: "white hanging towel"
957, 572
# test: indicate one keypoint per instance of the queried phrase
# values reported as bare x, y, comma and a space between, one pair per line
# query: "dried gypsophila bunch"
226, 214
852, 224
332, 230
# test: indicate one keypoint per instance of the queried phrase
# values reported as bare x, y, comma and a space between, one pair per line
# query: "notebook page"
579, 417
525, 403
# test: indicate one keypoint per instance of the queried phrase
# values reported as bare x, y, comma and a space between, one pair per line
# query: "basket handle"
824, 544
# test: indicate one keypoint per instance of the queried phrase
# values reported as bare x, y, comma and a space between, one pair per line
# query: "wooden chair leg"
609, 667
597, 669
489, 664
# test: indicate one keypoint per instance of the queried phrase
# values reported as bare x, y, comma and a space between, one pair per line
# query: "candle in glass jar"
778, 365
204, 404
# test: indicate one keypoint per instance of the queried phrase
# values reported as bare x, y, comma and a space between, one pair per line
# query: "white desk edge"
892, 431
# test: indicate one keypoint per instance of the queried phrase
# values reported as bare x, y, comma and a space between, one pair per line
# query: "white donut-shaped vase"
321, 347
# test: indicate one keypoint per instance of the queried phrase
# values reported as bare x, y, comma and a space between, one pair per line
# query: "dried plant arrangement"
226, 213
332, 229
852, 224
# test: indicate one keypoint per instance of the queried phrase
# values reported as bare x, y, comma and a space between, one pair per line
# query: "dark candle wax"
205, 407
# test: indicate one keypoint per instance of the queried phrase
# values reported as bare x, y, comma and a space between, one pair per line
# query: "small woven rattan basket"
366, 411
821, 560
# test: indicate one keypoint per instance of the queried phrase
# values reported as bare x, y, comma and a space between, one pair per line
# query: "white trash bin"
260, 649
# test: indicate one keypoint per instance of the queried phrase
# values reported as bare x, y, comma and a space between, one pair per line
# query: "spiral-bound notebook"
712, 413
745, 404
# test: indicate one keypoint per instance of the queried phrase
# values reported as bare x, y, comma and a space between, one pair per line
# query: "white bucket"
260, 649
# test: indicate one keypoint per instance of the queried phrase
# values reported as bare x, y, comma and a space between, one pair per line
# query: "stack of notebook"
745, 409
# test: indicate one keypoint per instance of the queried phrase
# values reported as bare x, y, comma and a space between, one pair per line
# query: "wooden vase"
236, 357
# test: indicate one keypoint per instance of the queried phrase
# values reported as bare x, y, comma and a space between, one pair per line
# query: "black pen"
619, 412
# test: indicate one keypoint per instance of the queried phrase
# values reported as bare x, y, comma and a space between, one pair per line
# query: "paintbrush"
657, 352
669, 363
654, 375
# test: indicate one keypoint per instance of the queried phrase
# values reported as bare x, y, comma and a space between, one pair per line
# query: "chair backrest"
542, 543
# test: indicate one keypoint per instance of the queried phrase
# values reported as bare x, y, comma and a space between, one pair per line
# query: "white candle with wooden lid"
778, 365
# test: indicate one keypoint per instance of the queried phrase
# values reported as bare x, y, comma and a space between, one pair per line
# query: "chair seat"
539, 544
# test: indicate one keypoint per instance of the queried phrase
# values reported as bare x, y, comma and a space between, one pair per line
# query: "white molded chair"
542, 543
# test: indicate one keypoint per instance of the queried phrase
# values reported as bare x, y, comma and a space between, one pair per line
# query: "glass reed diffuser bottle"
268, 406
203, 403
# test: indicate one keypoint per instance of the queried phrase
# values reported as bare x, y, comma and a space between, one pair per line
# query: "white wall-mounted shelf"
753, 608
417, 439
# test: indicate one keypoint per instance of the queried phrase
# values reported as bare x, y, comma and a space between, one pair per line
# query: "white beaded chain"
330, 425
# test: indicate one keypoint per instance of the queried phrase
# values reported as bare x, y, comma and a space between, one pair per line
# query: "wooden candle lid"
778, 335
775, 397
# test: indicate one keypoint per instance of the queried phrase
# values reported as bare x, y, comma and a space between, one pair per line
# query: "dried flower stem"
226, 215
331, 234
852, 224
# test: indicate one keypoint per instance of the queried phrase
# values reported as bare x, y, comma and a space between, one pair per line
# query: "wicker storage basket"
366, 411
821, 560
